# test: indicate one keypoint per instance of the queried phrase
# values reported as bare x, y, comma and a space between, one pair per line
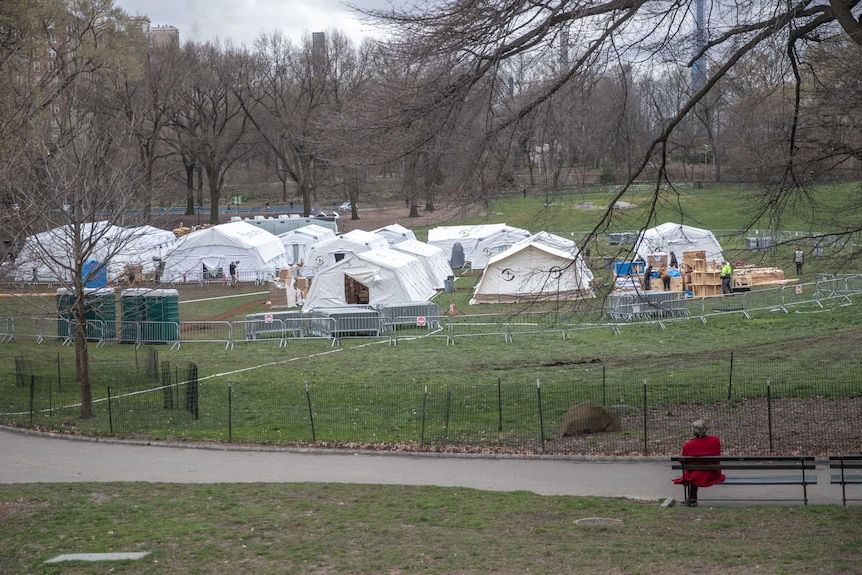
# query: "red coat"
699, 446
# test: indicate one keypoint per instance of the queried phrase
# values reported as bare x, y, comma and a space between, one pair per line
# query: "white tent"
297, 242
206, 254
543, 267
677, 238
480, 242
328, 252
495, 242
376, 277
395, 233
46, 256
431, 257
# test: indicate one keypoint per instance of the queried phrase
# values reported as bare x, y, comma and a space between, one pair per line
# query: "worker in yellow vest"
726, 276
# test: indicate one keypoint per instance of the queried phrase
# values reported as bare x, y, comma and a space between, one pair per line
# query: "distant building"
162, 36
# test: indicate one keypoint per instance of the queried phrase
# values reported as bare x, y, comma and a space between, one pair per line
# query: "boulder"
589, 417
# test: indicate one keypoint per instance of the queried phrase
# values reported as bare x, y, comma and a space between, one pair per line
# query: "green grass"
310, 528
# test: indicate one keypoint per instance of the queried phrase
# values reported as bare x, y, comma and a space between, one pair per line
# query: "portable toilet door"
101, 314
65, 317
162, 316
133, 311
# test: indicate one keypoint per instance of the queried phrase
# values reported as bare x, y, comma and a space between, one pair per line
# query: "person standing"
665, 278
798, 258
232, 269
726, 276
700, 445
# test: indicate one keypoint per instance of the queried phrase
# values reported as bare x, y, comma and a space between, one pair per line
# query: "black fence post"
604, 386
730, 378
646, 449
424, 404
448, 413
110, 413
310, 412
229, 411
32, 393
541, 417
499, 405
769, 412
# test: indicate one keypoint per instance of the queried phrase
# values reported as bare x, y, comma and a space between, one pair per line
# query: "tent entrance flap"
355, 292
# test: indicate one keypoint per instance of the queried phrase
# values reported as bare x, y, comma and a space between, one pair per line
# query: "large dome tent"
206, 254
677, 238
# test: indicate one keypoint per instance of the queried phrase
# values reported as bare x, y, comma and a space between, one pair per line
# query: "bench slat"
769, 480
854, 479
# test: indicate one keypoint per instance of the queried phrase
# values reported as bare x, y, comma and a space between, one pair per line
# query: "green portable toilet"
133, 311
65, 317
101, 313
163, 316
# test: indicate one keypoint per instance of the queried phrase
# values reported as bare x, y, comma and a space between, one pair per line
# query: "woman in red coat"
701, 444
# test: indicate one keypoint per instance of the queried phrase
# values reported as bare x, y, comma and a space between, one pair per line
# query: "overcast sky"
244, 20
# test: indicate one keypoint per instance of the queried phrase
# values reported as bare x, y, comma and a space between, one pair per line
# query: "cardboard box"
657, 260
277, 294
301, 284
285, 276
676, 284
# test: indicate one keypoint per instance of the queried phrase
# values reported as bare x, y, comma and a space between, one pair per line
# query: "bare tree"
476, 39
79, 178
210, 127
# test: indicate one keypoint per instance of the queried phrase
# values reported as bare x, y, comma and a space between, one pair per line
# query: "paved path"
29, 457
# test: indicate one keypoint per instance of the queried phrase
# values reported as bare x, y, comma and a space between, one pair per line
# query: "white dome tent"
331, 251
543, 267
378, 277
47, 256
395, 233
206, 254
297, 242
677, 238
431, 257
479, 242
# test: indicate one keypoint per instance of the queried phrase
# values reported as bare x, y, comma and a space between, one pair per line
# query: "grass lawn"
326, 528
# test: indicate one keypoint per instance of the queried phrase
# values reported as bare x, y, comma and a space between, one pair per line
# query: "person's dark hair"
698, 428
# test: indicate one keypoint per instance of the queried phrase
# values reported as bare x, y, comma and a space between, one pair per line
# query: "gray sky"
244, 20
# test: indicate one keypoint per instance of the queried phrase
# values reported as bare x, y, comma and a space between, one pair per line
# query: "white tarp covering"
543, 267
47, 256
432, 258
480, 242
677, 238
391, 277
203, 254
329, 252
297, 242
395, 233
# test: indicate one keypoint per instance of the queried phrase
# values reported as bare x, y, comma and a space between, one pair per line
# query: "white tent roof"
491, 235
391, 277
395, 233
48, 254
432, 258
297, 242
258, 251
670, 237
328, 252
541, 268
494, 243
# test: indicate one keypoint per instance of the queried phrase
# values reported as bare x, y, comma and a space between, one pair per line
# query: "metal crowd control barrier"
473, 326
160, 332
206, 332
264, 329
7, 329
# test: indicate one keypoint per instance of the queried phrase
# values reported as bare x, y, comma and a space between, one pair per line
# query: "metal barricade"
266, 328
206, 332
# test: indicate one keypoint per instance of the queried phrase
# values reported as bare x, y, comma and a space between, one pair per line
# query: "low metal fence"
754, 408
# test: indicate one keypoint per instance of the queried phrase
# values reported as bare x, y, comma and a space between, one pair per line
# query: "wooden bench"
850, 473
764, 468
